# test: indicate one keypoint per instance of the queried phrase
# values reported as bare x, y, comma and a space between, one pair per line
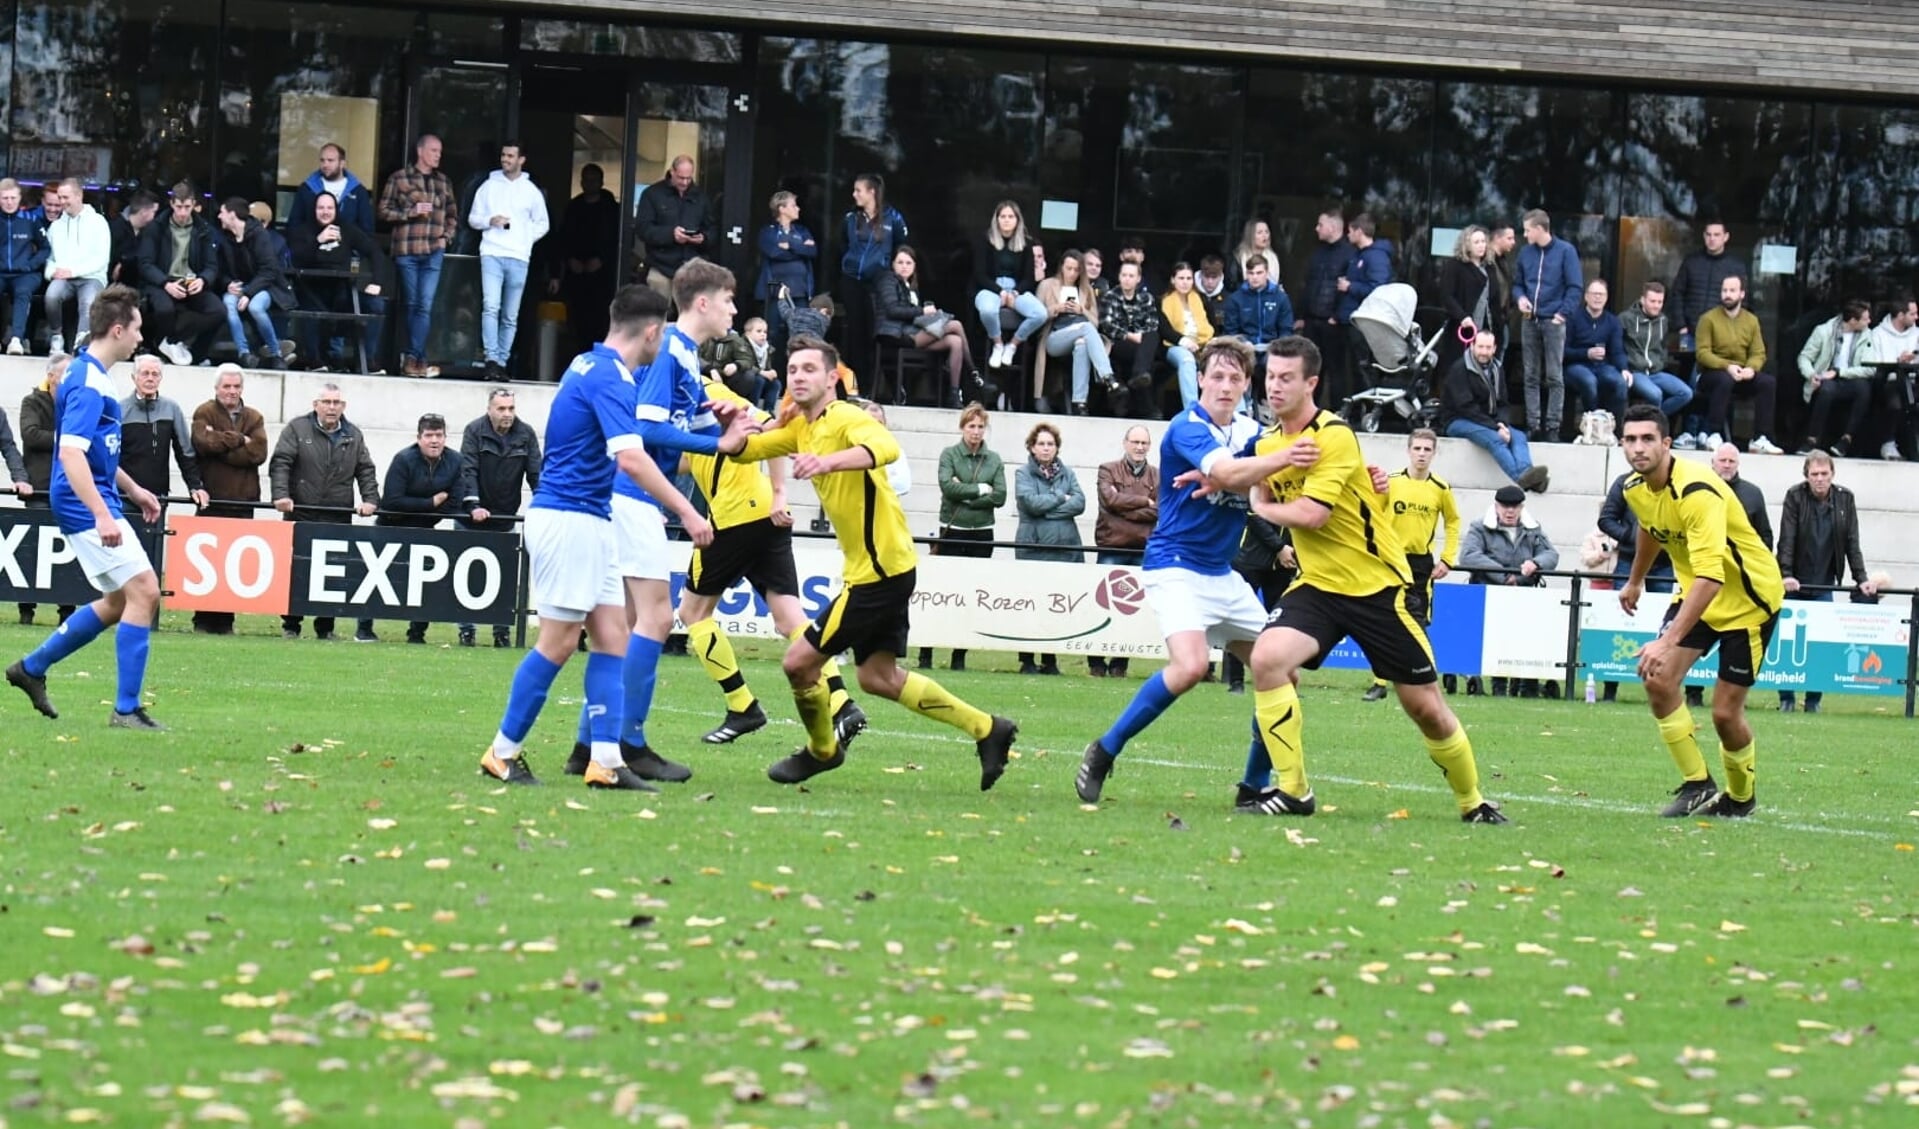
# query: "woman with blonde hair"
1256, 238
1007, 266
1465, 286
1073, 331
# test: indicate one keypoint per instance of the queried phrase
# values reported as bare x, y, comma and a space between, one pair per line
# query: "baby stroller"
1397, 364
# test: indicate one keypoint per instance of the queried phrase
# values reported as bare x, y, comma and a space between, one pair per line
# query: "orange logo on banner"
224, 564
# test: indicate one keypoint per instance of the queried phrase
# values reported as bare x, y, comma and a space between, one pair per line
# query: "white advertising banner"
1525, 632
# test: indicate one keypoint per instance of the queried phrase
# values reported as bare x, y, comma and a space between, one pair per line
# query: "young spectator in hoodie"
257, 283
510, 213
1595, 355
1837, 366
23, 258
353, 201
1896, 338
1006, 270
1644, 327
179, 268
1184, 329
732, 360
1546, 289
80, 251
1210, 283
327, 241
1257, 313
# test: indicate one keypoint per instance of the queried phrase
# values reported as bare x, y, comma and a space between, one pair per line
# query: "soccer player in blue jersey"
591, 439
86, 490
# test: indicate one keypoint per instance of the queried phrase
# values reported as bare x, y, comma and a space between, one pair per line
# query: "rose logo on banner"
1121, 591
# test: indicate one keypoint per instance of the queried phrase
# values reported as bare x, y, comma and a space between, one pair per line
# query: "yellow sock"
1382, 683
1675, 729
830, 678
1739, 770
929, 699
817, 716
715, 651
1454, 756
1282, 725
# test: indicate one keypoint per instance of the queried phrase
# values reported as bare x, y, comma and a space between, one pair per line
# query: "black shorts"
1385, 630
759, 552
868, 618
1419, 594
1742, 650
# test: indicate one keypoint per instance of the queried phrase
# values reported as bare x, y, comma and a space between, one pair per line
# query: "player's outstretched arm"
636, 464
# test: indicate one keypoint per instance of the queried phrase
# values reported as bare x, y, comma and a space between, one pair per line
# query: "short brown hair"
1537, 218
1042, 427
1253, 260
635, 307
1232, 350
1293, 345
1363, 223
116, 306
697, 278
1654, 287
972, 411
1422, 433
800, 343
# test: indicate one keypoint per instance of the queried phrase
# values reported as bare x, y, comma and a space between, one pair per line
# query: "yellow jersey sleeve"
775, 442
737, 490
1449, 513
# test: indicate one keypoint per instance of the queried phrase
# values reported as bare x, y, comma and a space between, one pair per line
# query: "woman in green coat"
972, 487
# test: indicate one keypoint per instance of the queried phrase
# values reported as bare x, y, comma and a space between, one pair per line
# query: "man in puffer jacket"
23, 255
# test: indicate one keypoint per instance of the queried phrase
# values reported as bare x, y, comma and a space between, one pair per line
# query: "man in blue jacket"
23, 257
1370, 268
1259, 310
1595, 355
355, 200
1546, 289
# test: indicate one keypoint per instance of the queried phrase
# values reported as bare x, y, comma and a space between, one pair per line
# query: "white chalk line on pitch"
1613, 807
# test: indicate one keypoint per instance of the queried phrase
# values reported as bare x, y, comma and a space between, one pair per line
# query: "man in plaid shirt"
419, 203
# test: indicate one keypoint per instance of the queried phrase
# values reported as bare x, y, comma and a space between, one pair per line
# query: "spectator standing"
1073, 332
1896, 338
1006, 270
1595, 355
327, 241
10, 455
1546, 289
588, 253
1818, 542
1318, 308
1049, 499
1130, 324
1732, 357
418, 202
1502, 244
1508, 547
152, 427
498, 452
256, 284
1702, 279
509, 211
972, 489
79, 254
1128, 510
1466, 289
1184, 329
899, 472
788, 253
1725, 463
1644, 329
318, 462
179, 276
676, 223
425, 484
123, 235
230, 445
353, 202
1470, 403
23, 261
871, 232
1836, 364
38, 435
1369, 268
902, 311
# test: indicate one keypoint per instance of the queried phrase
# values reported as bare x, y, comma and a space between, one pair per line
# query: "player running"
1418, 500
1729, 595
843, 451
85, 492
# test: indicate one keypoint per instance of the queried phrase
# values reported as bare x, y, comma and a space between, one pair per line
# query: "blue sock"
1259, 765
130, 650
80, 629
640, 674
1151, 700
603, 710
584, 734
531, 680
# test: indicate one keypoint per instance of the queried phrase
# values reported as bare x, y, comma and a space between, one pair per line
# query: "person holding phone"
1073, 331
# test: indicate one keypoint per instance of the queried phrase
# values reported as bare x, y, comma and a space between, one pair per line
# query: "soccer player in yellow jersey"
752, 541
1352, 581
1729, 596
843, 451
1418, 501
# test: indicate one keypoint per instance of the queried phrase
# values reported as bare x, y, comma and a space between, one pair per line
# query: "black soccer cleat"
1095, 765
34, 687
617, 779
578, 759
1487, 812
649, 765
803, 765
507, 770
737, 725
1276, 802
135, 718
849, 722
1374, 693
1723, 806
1689, 797
994, 749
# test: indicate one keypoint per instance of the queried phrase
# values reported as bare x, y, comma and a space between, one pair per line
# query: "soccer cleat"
649, 765
506, 770
1689, 797
617, 779
1095, 765
1723, 806
1487, 812
737, 725
578, 759
35, 688
848, 723
803, 765
1374, 693
993, 750
1275, 802
135, 719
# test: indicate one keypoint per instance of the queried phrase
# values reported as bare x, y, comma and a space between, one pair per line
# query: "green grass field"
303, 906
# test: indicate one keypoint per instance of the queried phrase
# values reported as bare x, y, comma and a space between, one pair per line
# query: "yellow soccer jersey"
736, 492
867, 520
1417, 507
1703, 528
1356, 553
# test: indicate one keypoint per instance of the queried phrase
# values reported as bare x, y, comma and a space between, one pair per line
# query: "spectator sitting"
23, 260
353, 201
1837, 366
1508, 547
1211, 285
900, 312
1184, 328
1470, 402
1005, 273
80, 251
1644, 330
39, 432
179, 273
327, 241
1049, 498
733, 361
257, 283
1818, 542
1732, 356
1896, 338
1073, 331
1256, 241
230, 443
787, 254
424, 484
123, 234
498, 451
1095, 263
1595, 355
1258, 313
972, 482
1128, 510
1130, 325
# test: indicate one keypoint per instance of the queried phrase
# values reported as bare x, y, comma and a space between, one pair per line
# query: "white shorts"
1224, 607
571, 556
110, 569
640, 531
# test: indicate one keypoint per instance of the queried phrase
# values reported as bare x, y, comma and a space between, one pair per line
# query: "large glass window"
586, 37
1862, 207
7, 14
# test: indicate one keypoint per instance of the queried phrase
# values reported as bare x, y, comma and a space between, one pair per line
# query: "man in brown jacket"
315, 467
1128, 509
230, 440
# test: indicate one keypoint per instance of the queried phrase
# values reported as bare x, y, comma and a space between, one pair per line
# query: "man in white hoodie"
1896, 338
81, 252
510, 213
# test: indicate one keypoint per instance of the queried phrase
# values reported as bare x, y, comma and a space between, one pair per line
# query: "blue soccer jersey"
590, 423
1199, 534
670, 410
87, 411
